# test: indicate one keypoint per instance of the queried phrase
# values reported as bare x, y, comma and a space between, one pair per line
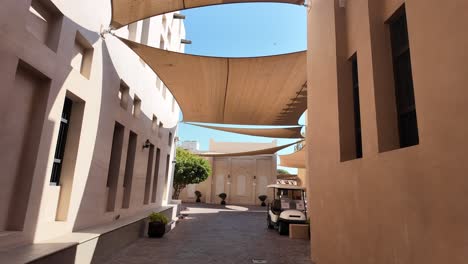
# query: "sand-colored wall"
243, 179
37, 73
233, 147
393, 205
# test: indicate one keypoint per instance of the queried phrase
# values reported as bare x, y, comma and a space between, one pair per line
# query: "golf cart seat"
276, 207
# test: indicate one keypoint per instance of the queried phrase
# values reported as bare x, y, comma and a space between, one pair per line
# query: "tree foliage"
282, 171
189, 169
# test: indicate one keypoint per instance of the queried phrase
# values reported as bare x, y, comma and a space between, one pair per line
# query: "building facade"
87, 128
243, 179
387, 131
190, 145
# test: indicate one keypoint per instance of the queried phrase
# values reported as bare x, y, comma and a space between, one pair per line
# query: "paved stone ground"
217, 234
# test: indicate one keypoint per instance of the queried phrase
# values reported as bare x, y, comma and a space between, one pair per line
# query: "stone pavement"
217, 234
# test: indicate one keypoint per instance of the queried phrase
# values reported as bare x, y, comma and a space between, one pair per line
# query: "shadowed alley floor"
217, 234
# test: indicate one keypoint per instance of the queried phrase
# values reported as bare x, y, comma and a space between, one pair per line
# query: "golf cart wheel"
269, 224
282, 228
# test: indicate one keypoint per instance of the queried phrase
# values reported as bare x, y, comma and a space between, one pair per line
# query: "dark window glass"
404, 91
61, 142
357, 110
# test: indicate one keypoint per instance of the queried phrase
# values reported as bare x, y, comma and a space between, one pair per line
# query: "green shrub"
198, 194
262, 197
158, 217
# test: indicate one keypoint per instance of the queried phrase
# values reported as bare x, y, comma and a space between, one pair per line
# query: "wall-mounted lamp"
185, 41
147, 144
179, 16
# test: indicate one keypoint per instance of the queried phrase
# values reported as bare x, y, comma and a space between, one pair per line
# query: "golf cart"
288, 207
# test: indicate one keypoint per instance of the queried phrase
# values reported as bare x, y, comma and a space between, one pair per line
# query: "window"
149, 171
169, 37
166, 176
132, 31
145, 31
161, 42
154, 125
61, 142
44, 23
155, 176
136, 111
82, 55
164, 91
170, 139
404, 91
356, 107
129, 165
349, 112
158, 83
124, 95
114, 166
160, 129
164, 22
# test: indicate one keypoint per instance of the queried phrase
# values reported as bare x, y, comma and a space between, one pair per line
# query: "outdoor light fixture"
185, 41
147, 144
179, 16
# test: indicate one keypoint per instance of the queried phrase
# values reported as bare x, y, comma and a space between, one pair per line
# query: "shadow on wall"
103, 152
35, 69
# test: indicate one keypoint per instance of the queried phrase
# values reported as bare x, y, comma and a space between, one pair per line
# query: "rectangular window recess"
404, 90
124, 95
44, 22
349, 110
61, 141
356, 107
82, 55
114, 165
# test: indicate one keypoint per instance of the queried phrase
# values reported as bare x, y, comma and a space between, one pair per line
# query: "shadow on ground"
217, 234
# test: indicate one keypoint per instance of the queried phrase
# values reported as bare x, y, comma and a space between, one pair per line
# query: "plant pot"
198, 200
263, 204
223, 202
156, 229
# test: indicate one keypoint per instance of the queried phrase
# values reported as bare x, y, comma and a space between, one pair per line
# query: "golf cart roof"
286, 186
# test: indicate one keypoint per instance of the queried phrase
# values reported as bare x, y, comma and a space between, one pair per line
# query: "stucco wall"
394, 205
243, 179
32, 98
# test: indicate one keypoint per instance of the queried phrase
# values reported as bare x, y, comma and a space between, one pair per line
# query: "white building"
190, 145
87, 132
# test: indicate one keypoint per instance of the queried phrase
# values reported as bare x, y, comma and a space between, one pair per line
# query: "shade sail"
268, 151
125, 12
286, 132
247, 91
294, 160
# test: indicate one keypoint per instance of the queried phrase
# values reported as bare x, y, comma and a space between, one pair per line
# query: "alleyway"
217, 234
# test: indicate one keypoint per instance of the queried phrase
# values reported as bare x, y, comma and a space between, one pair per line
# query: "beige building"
243, 178
87, 128
391, 187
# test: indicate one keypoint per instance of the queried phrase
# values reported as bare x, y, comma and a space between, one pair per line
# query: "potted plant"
157, 225
198, 194
223, 198
262, 198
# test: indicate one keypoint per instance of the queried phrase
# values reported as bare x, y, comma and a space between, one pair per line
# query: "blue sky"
242, 30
